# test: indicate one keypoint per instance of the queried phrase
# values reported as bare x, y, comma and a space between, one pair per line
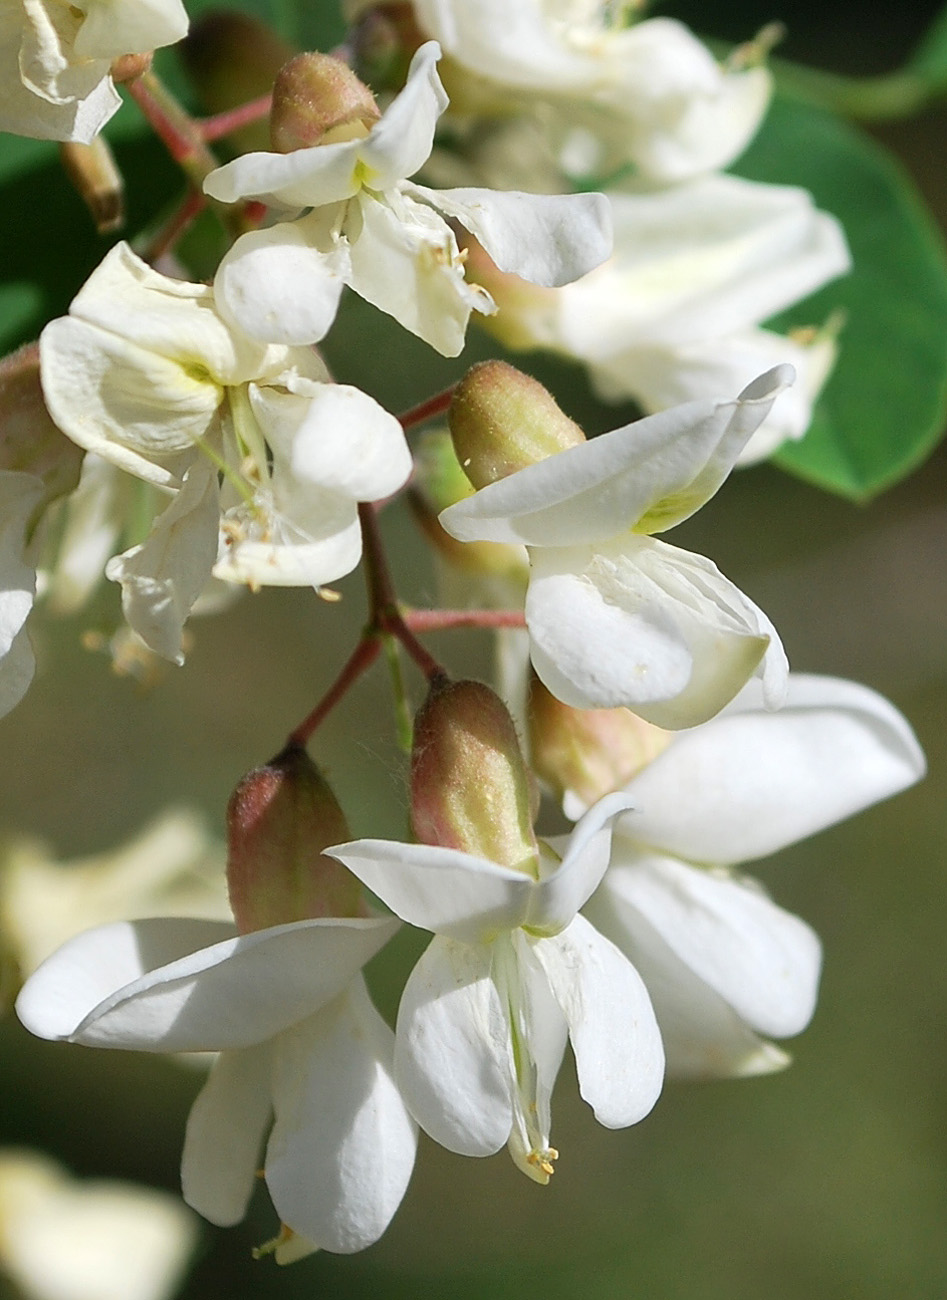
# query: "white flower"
62, 1238
262, 461
55, 60
674, 314
300, 1045
387, 238
722, 963
511, 973
614, 616
650, 93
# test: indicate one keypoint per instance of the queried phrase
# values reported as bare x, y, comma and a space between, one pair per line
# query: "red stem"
361, 659
194, 203
439, 620
427, 409
212, 128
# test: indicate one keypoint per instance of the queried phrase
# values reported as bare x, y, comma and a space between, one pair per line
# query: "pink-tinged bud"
470, 788
589, 752
439, 482
232, 59
319, 100
96, 179
29, 441
279, 819
502, 420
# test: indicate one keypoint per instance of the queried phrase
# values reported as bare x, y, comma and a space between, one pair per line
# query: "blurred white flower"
63, 1238
262, 459
55, 60
20, 494
614, 616
510, 974
722, 963
648, 93
367, 226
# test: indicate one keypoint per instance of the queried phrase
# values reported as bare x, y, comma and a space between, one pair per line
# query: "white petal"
614, 1035
304, 178
401, 142
224, 1138
751, 782
703, 1036
295, 536
90, 967
452, 1050
16, 669
233, 994
442, 890
548, 239
342, 1148
648, 475
283, 284
764, 962
645, 625
406, 262
163, 577
19, 496
111, 28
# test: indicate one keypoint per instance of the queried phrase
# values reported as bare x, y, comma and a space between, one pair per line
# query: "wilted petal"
751, 782
764, 962
614, 1035
283, 284
163, 577
342, 1148
442, 890
233, 994
548, 239
645, 625
646, 476
703, 1036
452, 1049
406, 262
225, 1130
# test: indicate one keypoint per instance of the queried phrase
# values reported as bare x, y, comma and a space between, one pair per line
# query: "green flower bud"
502, 420
279, 819
470, 788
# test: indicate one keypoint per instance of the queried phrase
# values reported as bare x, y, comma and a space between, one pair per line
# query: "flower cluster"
186, 440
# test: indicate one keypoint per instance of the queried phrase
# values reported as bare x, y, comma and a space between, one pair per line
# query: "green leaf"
885, 405
929, 60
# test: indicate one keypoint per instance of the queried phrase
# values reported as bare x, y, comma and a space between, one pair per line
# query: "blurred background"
827, 1180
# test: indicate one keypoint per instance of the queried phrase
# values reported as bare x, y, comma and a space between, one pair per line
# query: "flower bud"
98, 182
439, 482
319, 100
279, 819
583, 754
470, 788
129, 67
502, 420
29, 440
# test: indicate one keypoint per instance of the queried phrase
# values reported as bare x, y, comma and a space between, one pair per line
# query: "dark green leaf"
885, 405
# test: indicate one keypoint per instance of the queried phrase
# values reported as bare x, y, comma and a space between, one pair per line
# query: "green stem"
894, 95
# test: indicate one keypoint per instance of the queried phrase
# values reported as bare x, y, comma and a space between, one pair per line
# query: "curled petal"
646, 476
342, 1148
548, 239
225, 1130
750, 782
645, 625
452, 1051
763, 961
163, 577
402, 141
614, 1035
233, 994
571, 882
